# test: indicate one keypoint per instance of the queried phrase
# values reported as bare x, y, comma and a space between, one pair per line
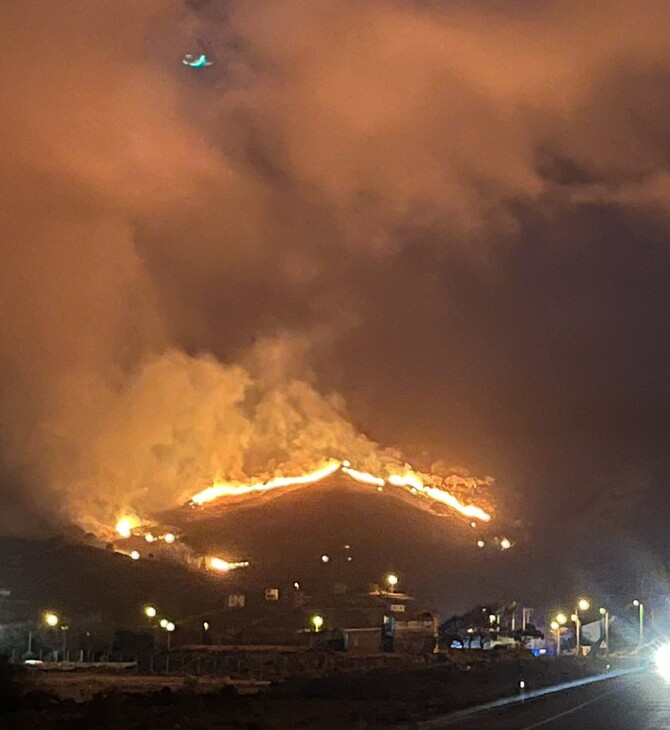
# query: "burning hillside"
421, 485
191, 429
428, 491
335, 484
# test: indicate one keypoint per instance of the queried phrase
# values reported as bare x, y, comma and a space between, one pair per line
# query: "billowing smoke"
163, 228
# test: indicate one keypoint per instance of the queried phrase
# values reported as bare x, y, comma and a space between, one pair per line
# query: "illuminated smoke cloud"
165, 227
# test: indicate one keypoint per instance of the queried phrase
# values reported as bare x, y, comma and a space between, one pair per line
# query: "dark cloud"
453, 214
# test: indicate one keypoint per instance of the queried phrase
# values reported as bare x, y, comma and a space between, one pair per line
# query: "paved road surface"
633, 702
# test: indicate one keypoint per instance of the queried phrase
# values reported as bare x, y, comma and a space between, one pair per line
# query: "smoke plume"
190, 256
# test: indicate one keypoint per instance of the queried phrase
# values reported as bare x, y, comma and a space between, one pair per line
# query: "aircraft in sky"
196, 60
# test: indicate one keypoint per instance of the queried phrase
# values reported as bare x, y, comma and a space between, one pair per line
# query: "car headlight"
662, 661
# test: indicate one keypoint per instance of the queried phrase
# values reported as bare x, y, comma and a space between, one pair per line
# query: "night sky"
443, 225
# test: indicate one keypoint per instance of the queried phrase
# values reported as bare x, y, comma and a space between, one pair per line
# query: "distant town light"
317, 622
561, 618
51, 619
602, 610
150, 612
134, 555
325, 558
392, 580
163, 623
505, 544
480, 543
296, 585
205, 625
473, 524
554, 625
149, 537
583, 604
169, 537
170, 626
636, 603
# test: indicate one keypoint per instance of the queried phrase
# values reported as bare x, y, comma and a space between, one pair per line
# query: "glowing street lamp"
317, 622
557, 624
150, 612
583, 604
169, 627
163, 623
51, 619
392, 581
640, 613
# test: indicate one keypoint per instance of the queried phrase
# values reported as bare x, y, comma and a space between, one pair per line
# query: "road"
639, 701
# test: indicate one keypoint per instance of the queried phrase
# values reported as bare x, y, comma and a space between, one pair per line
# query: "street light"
606, 619
392, 581
582, 605
163, 623
169, 627
317, 622
557, 624
64, 629
150, 612
640, 613
51, 619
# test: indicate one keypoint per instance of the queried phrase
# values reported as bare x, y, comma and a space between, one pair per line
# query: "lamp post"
52, 620
606, 620
169, 627
65, 629
392, 581
557, 624
640, 612
317, 623
582, 605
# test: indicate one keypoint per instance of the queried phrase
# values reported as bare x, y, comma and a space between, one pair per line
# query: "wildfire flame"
412, 480
408, 480
127, 524
223, 566
364, 477
235, 490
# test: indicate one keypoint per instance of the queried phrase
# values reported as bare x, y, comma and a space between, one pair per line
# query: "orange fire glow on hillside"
236, 490
409, 480
126, 525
